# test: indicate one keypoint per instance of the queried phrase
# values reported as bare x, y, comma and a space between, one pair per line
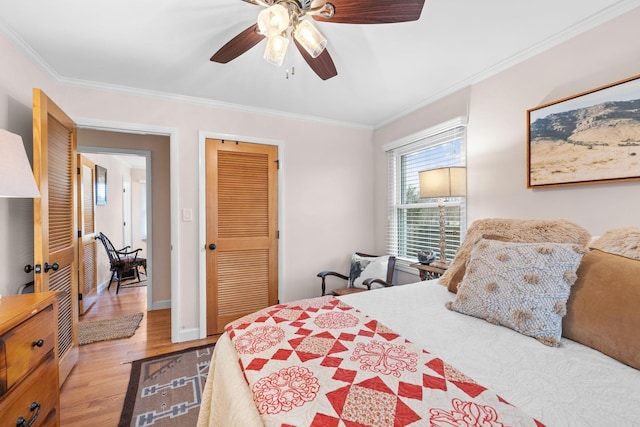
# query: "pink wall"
497, 138
327, 170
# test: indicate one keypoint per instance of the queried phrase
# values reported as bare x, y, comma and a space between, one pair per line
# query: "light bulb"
310, 38
276, 50
273, 20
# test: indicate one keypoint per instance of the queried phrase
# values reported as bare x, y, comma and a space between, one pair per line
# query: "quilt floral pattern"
320, 362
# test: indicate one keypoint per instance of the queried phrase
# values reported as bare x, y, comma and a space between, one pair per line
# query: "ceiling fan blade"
323, 65
238, 45
374, 12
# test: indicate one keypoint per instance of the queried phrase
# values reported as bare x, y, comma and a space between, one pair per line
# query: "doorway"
163, 173
119, 214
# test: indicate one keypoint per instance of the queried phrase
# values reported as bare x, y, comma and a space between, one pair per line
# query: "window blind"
413, 222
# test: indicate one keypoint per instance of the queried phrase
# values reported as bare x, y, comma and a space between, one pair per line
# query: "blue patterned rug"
166, 390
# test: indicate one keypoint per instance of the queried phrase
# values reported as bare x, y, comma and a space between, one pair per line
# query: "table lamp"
441, 183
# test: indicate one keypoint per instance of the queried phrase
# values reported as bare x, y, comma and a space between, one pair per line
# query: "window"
414, 222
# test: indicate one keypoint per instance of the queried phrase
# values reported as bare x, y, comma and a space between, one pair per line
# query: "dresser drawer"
39, 390
27, 344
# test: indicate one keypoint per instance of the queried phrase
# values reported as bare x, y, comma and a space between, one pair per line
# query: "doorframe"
127, 233
172, 133
202, 214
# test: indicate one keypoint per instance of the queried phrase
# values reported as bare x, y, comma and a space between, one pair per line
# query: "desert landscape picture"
598, 142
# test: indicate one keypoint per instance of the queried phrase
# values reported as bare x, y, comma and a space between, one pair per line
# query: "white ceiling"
384, 71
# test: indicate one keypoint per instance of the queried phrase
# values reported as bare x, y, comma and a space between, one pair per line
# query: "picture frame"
589, 138
101, 186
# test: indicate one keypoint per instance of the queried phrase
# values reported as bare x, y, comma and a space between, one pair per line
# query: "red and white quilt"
321, 362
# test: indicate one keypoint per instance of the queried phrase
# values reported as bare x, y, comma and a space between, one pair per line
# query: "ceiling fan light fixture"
310, 38
273, 20
276, 49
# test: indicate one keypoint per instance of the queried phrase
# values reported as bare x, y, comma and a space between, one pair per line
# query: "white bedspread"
571, 385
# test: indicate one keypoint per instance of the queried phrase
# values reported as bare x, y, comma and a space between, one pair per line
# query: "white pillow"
522, 286
363, 268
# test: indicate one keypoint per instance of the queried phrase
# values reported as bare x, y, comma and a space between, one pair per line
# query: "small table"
429, 272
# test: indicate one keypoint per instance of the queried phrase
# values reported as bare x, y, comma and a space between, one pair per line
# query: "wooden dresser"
29, 388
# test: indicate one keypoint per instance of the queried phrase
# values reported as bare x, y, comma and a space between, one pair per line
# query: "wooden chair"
124, 263
355, 272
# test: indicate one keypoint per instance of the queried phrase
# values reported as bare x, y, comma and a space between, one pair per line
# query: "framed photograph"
101, 186
593, 137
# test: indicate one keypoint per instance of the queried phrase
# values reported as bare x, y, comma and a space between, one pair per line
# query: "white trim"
587, 24
202, 214
162, 305
189, 335
172, 133
426, 133
53, 74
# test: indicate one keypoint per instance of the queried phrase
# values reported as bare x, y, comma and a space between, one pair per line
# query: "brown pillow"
603, 308
624, 241
512, 230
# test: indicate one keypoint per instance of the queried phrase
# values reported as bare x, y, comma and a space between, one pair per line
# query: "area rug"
90, 331
166, 390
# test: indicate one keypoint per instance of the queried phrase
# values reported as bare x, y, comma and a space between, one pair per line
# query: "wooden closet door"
242, 230
87, 271
54, 222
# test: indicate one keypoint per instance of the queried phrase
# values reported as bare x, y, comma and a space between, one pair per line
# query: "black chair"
124, 263
356, 271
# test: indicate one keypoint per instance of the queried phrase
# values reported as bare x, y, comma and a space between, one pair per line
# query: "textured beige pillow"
624, 241
603, 310
513, 230
523, 286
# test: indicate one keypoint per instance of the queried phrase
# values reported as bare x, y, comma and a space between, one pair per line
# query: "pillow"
513, 230
523, 286
624, 241
363, 268
603, 311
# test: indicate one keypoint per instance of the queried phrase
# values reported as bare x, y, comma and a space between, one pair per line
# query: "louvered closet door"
55, 224
87, 271
242, 223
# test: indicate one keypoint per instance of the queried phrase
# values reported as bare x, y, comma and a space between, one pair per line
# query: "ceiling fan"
283, 20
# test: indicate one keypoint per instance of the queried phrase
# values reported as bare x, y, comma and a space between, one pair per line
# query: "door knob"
212, 246
55, 266
36, 269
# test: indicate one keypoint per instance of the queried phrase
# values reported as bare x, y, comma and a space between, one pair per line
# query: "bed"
495, 375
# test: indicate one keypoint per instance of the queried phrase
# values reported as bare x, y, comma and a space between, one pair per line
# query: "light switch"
187, 215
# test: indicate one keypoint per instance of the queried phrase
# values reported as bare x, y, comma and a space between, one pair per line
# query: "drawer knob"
38, 343
21, 422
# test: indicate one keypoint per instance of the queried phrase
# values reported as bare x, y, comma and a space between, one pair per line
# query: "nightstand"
429, 272
29, 385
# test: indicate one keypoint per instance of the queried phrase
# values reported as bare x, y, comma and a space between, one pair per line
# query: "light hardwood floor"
94, 392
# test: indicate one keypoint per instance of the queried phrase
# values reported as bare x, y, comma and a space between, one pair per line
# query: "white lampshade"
273, 20
310, 38
276, 50
443, 182
16, 177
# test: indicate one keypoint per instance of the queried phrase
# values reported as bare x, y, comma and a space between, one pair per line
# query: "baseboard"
188, 335
161, 305
102, 286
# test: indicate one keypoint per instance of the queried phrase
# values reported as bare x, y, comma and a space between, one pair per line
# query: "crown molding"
57, 78
613, 11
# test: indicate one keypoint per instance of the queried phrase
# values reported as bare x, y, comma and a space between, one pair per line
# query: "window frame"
395, 151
